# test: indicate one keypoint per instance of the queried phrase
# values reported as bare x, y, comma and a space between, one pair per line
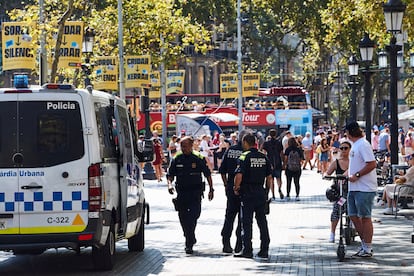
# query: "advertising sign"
137, 70
299, 121
250, 84
228, 86
70, 53
155, 90
17, 47
106, 73
175, 81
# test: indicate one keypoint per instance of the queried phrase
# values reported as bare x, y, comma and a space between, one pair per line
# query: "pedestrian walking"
274, 152
227, 171
362, 187
293, 164
187, 167
252, 171
307, 144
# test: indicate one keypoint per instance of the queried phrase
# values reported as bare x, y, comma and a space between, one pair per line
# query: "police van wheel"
136, 243
104, 257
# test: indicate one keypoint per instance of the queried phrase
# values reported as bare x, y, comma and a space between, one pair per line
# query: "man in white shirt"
362, 187
307, 144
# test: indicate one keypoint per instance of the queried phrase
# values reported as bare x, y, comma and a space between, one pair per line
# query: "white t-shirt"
361, 153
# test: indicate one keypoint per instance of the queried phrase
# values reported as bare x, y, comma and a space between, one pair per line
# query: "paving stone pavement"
299, 233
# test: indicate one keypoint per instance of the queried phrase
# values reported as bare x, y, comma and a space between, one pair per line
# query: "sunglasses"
344, 148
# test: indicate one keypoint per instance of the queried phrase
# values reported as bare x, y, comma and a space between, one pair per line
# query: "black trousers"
189, 210
232, 210
254, 203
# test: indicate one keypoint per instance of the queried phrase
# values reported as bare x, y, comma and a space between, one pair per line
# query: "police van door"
50, 165
9, 215
128, 172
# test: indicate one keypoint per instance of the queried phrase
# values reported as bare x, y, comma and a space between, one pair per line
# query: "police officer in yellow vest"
188, 167
253, 169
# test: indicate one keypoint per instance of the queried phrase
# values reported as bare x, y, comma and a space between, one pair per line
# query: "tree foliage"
148, 26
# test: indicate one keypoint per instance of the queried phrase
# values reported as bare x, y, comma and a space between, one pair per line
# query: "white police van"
69, 176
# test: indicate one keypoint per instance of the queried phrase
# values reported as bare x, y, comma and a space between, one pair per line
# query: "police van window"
104, 115
126, 134
50, 133
8, 133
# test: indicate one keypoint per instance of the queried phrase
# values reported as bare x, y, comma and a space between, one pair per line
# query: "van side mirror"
145, 150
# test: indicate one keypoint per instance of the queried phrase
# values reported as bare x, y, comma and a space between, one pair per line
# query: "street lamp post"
353, 73
87, 48
394, 12
366, 47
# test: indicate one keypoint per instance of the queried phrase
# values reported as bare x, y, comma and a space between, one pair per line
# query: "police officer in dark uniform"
227, 171
253, 169
188, 167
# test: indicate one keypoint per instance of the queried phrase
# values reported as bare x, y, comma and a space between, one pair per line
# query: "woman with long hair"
339, 166
293, 166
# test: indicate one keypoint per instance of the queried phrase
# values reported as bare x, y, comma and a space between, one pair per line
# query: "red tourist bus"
276, 107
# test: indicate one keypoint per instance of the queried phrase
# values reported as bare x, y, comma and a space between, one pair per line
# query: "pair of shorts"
360, 204
277, 173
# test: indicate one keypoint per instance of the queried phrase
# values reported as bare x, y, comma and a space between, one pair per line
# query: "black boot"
226, 246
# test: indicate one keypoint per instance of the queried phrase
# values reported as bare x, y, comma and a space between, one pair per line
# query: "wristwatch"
357, 174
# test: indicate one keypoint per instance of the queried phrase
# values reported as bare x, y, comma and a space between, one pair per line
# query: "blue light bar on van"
21, 81
58, 86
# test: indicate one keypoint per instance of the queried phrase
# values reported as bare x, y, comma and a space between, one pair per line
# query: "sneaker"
263, 254
380, 203
297, 198
365, 254
332, 237
281, 195
388, 211
360, 250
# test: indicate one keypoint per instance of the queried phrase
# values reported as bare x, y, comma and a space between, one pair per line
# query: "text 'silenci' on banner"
106, 73
17, 47
155, 90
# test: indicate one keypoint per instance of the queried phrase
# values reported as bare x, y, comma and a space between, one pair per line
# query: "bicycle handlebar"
337, 177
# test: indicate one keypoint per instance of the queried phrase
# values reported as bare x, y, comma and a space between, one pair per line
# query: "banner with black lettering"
137, 70
17, 48
70, 53
175, 81
155, 90
106, 73
250, 84
228, 86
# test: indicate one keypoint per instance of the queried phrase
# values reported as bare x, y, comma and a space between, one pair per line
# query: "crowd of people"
256, 104
250, 162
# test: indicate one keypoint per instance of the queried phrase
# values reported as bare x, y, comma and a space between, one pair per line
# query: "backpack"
293, 162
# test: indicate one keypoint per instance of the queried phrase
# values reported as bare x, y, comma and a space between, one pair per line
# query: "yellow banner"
228, 86
175, 81
17, 49
155, 90
250, 84
106, 73
137, 70
70, 53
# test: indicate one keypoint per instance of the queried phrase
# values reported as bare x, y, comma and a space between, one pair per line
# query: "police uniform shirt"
230, 160
255, 167
188, 169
